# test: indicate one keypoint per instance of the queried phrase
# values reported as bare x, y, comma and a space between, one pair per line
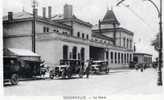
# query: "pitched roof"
60, 18
26, 16
19, 15
110, 18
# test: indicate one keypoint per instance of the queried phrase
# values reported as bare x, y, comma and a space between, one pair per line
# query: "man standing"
88, 65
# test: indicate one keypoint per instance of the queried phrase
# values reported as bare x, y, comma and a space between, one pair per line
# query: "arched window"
124, 58
130, 57
115, 57
118, 57
111, 57
74, 52
82, 52
65, 52
127, 58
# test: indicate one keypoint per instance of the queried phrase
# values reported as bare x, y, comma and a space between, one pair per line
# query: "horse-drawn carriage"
67, 69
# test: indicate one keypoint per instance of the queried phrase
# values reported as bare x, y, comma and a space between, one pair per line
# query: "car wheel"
14, 79
51, 76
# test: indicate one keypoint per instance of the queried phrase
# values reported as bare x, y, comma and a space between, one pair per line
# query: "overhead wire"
138, 16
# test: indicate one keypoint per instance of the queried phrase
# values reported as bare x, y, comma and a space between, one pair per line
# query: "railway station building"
68, 37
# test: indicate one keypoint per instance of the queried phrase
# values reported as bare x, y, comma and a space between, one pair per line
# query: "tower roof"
110, 18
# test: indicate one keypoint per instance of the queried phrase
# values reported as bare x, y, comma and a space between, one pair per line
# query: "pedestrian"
87, 65
142, 67
136, 66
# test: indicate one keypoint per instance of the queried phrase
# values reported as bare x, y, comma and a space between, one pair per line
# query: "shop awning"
23, 54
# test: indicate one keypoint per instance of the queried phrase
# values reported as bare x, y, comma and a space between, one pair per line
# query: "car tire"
51, 76
14, 79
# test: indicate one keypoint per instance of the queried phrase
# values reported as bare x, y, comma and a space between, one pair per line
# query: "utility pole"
160, 61
160, 48
34, 6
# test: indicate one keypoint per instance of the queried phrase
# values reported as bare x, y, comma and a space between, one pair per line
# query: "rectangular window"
83, 35
47, 29
44, 29
87, 36
124, 42
78, 34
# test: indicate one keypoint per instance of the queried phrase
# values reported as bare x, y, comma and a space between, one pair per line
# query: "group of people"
140, 66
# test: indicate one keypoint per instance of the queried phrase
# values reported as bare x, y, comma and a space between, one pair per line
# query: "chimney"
67, 11
10, 16
44, 12
49, 12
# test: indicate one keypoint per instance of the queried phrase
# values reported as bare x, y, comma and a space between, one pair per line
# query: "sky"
138, 16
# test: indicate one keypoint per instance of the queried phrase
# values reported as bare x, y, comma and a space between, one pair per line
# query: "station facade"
68, 37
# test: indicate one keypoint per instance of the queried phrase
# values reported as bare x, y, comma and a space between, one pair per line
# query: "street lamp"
160, 64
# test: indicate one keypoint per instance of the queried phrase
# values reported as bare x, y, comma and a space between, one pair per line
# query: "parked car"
132, 64
67, 69
100, 66
11, 69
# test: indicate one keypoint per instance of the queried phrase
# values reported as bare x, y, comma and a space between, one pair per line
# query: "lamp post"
160, 64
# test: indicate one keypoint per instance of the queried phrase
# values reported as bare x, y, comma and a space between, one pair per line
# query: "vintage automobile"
132, 64
99, 66
11, 69
67, 69
20, 64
